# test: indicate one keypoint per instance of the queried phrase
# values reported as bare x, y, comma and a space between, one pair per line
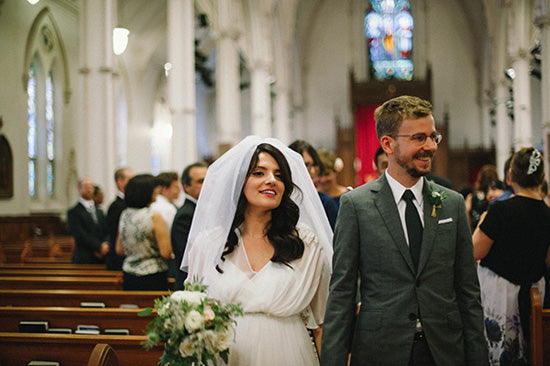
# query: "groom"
409, 242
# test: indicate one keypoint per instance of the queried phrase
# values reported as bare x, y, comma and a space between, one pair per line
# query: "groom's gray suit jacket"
369, 242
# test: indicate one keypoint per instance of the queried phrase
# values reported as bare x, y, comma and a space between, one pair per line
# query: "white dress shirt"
398, 189
166, 209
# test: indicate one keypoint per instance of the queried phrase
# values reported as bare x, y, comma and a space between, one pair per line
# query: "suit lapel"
85, 213
387, 208
430, 228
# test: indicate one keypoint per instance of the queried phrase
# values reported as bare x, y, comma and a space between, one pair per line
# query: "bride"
260, 238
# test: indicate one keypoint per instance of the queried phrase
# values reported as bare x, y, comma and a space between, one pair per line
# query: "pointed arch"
51, 46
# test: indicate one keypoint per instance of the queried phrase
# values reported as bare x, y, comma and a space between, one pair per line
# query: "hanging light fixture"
33, 2
120, 40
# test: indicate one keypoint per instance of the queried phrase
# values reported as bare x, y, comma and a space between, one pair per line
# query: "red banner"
366, 144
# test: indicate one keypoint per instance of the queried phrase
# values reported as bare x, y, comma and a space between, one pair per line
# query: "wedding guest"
494, 190
122, 177
143, 238
87, 225
332, 165
381, 163
262, 239
192, 179
315, 169
508, 191
512, 243
476, 202
98, 196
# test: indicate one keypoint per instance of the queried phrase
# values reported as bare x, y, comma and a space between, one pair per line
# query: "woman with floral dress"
512, 243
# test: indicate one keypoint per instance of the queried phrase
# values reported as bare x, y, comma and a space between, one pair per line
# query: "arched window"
47, 88
389, 31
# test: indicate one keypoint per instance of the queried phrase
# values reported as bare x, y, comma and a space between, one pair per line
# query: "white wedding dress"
278, 302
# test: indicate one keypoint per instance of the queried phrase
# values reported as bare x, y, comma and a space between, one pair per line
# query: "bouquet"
194, 328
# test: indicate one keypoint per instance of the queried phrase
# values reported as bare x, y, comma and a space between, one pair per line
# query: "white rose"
211, 341
187, 347
226, 338
193, 321
191, 297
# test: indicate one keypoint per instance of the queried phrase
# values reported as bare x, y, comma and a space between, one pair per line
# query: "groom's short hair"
389, 115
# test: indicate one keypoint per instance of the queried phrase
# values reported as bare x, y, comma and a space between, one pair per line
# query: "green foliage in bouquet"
193, 327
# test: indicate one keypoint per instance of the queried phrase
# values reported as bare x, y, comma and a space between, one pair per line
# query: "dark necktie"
93, 213
414, 227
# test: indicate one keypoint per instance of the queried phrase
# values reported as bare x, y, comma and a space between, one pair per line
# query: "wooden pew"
52, 265
540, 331
60, 247
71, 317
73, 349
60, 272
73, 298
60, 282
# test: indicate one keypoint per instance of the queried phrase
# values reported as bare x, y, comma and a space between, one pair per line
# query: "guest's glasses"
420, 138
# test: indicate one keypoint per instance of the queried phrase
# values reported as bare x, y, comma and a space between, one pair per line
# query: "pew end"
540, 331
103, 355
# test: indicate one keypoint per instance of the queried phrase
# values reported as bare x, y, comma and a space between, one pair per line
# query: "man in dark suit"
409, 241
122, 176
87, 225
191, 179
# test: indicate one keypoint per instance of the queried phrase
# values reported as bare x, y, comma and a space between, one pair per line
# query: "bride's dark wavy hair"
281, 230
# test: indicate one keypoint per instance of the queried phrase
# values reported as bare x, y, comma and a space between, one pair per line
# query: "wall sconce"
33, 2
510, 74
120, 40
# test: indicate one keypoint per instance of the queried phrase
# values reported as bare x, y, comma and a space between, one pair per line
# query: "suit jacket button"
417, 283
412, 316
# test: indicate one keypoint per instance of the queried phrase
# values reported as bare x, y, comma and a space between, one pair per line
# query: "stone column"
281, 128
503, 139
96, 153
181, 82
542, 20
228, 94
260, 68
518, 46
260, 89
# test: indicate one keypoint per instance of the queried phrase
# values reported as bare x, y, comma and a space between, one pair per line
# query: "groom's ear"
386, 142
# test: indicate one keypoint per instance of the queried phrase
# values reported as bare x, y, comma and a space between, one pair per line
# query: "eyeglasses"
420, 138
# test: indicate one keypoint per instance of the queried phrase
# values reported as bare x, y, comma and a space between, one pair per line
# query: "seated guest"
87, 225
143, 238
512, 243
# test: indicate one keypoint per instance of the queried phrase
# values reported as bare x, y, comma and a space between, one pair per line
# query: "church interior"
196, 77
91, 86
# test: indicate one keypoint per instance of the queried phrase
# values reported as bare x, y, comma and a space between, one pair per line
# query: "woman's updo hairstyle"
527, 167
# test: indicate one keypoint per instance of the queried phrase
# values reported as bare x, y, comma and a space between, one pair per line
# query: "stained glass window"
50, 133
389, 30
31, 131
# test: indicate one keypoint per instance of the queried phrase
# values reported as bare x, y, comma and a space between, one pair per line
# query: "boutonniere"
436, 197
